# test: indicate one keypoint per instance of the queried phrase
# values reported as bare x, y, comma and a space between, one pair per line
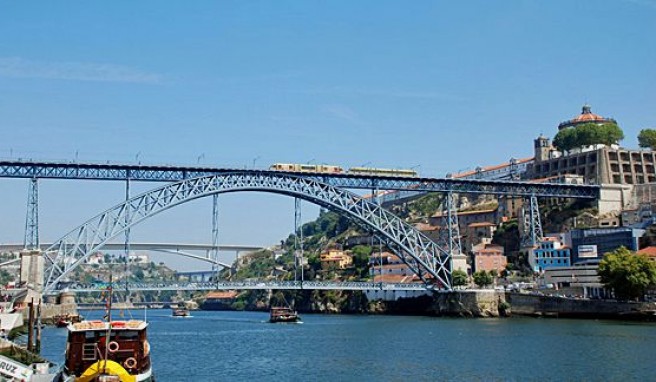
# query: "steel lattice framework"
31, 240
422, 255
29, 169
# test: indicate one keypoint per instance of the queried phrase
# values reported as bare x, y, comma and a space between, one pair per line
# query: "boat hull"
146, 376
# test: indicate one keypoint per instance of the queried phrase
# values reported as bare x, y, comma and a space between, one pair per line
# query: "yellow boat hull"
106, 367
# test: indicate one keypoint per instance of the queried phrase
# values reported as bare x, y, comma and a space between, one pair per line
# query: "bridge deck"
30, 169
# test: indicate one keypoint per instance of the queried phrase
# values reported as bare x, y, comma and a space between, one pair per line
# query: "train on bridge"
333, 169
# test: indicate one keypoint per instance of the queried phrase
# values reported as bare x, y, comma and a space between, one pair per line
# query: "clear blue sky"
443, 85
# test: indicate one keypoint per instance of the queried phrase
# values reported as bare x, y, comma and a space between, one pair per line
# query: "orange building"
335, 259
488, 257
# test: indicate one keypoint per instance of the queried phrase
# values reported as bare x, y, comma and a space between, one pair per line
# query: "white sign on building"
588, 251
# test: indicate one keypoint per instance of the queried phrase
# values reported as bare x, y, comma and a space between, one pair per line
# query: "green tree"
482, 279
627, 273
139, 274
507, 236
361, 255
459, 277
566, 139
647, 138
587, 134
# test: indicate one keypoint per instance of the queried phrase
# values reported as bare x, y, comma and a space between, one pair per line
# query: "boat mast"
108, 316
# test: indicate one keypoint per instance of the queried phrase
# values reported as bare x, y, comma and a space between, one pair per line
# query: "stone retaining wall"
535, 305
470, 303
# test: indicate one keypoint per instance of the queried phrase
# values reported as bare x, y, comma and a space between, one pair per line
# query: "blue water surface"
243, 346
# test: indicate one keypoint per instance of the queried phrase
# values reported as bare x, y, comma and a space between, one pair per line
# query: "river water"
242, 346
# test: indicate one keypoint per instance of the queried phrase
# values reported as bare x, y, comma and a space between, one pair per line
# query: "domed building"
586, 116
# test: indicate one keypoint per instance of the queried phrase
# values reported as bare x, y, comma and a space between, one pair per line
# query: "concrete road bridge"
179, 249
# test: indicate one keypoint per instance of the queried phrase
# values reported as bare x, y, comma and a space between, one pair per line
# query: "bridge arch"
422, 255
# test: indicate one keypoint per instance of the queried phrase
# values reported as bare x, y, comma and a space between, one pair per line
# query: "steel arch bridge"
424, 257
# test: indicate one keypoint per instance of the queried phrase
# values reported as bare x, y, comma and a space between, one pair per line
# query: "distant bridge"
153, 246
249, 285
169, 248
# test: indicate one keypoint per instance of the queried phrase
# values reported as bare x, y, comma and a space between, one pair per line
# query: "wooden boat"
107, 351
66, 319
180, 312
114, 351
283, 314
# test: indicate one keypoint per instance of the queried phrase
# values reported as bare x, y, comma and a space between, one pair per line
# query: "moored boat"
64, 320
180, 312
107, 352
283, 314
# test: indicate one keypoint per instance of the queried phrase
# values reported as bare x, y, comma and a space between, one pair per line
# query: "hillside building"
550, 252
389, 268
597, 164
335, 259
488, 257
579, 280
590, 245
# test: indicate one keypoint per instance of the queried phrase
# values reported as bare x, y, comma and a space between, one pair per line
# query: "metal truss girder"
423, 255
29, 169
250, 285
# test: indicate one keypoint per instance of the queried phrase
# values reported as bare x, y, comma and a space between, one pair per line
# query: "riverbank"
477, 304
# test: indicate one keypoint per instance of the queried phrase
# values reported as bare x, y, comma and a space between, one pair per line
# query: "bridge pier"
31, 240
452, 234
532, 225
298, 239
214, 253
32, 269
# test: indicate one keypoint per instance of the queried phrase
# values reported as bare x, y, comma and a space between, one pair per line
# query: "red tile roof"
490, 168
586, 116
649, 251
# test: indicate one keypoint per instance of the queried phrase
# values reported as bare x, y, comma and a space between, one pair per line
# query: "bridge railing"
249, 285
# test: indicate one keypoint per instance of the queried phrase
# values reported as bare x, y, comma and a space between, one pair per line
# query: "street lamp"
136, 157
201, 156
255, 160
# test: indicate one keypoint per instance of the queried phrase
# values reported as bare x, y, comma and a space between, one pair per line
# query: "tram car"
383, 172
294, 167
332, 169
